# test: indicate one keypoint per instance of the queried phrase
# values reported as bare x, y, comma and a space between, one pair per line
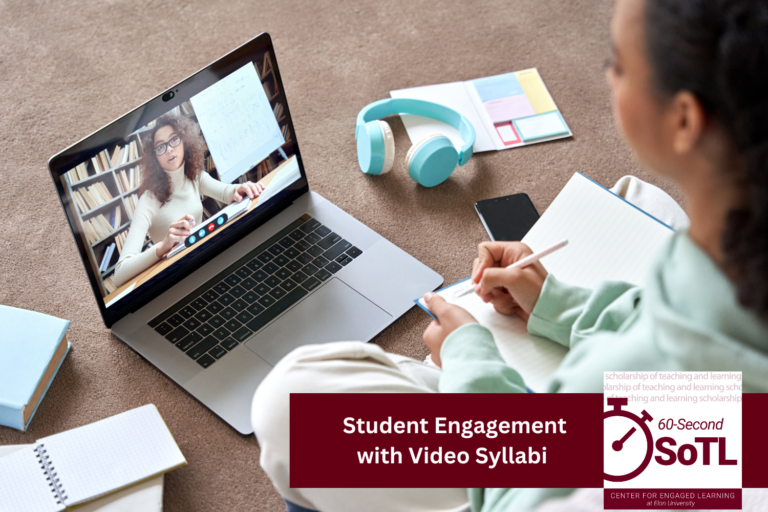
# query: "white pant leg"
342, 367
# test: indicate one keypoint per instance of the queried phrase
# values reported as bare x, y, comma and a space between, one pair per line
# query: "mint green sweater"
686, 318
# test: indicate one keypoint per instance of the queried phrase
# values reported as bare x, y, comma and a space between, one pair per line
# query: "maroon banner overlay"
754, 440
672, 499
566, 451
323, 455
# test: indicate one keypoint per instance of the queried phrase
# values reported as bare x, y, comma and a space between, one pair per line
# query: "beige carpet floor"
70, 67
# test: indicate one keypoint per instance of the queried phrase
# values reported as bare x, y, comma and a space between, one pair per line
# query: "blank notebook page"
113, 453
608, 238
23, 485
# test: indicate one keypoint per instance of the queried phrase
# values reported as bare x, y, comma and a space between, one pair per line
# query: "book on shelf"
267, 65
128, 179
209, 163
88, 198
278, 111
286, 133
100, 226
77, 173
120, 240
187, 109
131, 202
108, 252
33, 347
266, 89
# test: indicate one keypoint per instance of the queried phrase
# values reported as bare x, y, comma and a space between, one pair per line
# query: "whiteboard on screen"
237, 122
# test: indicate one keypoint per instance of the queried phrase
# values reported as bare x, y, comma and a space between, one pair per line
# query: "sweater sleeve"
212, 187
567, 314
132, 259
472, 364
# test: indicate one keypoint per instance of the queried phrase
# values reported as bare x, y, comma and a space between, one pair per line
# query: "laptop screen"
159, 192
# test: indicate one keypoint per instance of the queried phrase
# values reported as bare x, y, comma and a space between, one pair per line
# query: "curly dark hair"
718, 51
153, 178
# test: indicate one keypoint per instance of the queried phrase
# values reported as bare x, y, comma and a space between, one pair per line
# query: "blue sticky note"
497, 87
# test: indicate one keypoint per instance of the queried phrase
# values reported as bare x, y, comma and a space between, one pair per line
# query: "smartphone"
508, 218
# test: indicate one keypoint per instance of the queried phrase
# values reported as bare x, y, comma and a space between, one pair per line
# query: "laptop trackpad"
335, 312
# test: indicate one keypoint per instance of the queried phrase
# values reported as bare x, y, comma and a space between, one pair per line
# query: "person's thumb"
435, 303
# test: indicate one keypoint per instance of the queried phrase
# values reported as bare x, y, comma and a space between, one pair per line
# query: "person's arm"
568, 314
473, 364
212, 187
132, 260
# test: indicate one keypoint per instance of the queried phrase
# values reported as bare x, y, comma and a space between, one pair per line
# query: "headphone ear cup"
415, 148
432, 160
389, 147
375, 147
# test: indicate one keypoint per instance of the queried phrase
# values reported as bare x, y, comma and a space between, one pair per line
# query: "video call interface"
192, 163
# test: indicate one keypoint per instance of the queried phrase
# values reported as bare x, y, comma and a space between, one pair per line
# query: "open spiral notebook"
609, 239
86, 463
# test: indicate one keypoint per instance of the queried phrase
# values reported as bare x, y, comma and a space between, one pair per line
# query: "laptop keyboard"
246, 296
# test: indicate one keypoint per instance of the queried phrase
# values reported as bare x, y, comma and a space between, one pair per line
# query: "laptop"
288, 269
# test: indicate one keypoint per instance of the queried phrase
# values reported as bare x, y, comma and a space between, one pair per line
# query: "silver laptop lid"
230, 122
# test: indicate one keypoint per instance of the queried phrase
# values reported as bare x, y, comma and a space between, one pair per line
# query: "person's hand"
511, 291
450, 316
247, 189
177, 232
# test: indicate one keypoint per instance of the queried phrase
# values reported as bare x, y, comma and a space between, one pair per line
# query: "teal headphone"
429, 161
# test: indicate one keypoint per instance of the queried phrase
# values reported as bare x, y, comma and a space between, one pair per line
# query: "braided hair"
718, 51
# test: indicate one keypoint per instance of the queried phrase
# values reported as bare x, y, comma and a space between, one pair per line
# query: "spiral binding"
50, 474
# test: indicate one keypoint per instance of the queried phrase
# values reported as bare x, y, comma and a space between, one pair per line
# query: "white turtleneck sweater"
150, 217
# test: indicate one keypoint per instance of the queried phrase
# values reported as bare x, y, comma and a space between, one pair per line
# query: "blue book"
33, 346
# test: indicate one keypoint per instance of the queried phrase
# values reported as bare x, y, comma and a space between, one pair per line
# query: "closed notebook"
86, 463
608, 239
32, 347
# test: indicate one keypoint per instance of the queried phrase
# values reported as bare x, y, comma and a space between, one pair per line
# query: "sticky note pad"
536, 91
541, 126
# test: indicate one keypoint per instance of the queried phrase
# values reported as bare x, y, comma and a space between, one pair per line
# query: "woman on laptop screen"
173, 181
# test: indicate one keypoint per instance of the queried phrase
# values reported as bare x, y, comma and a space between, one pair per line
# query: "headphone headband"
383, 108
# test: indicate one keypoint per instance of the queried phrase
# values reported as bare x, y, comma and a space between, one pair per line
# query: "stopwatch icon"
615, 445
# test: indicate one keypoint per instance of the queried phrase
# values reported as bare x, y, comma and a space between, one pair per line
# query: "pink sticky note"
511, 107
507, 134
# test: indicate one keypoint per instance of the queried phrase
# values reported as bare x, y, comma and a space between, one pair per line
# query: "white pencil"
528, 260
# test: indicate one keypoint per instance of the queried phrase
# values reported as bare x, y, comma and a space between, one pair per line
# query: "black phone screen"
508, 218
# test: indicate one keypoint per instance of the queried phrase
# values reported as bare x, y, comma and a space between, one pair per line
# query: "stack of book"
128, 179
131, 202
100, 226
33, 347
88, 198
78, 173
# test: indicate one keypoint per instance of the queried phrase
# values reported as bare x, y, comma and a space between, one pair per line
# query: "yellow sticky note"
534, 88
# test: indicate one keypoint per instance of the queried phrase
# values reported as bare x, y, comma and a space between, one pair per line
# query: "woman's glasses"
160, 149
